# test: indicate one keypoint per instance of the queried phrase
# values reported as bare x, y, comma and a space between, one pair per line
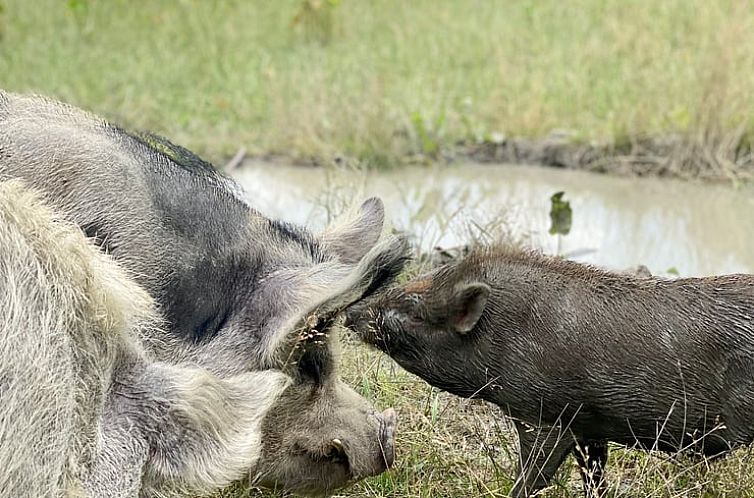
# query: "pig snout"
355, 317
388, 422
381, 453
360, 318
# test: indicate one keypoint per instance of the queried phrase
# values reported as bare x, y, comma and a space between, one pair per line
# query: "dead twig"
236, 160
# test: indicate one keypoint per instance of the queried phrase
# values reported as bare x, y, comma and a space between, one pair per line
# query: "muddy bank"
706, 157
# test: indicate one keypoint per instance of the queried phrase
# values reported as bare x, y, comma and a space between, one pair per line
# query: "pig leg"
118, 465
592, 458
542, 450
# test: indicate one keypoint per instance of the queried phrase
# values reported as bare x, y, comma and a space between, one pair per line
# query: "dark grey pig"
233, 286
578, 356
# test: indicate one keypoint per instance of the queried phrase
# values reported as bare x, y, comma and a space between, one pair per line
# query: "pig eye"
336, 452
414, 299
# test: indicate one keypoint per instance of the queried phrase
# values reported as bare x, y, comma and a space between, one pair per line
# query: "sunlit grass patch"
387, 81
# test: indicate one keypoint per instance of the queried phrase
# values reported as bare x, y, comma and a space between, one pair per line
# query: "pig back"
659, 361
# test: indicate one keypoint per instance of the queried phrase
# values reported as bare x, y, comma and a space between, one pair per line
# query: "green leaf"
75, 5
428, 144
561, 214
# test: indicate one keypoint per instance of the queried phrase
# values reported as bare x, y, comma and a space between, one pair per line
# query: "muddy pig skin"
578, 356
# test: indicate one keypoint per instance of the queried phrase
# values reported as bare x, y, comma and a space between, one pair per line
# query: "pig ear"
350, 239
467, 305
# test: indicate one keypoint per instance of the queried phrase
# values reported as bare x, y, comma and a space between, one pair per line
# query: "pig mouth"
382, 457
361, 318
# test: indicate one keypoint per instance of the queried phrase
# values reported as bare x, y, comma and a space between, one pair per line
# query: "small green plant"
315, 20
80, 12
428, 137
561, 216
434, 409
366, 387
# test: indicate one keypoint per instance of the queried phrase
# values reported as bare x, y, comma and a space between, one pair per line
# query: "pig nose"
358, 318
353, 315
387, 438
362, 320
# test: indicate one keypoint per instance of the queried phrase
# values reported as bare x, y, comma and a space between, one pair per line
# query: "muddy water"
697, 229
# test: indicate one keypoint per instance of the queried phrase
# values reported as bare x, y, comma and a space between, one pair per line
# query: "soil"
703, 158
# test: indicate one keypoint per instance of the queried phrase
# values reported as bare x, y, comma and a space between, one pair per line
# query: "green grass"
382, 80
448, 447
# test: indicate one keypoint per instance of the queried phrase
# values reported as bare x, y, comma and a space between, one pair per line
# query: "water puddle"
698, 229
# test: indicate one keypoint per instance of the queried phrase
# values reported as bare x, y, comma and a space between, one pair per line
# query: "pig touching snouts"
578, 356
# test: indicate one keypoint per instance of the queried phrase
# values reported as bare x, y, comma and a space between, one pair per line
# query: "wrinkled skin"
345, 452
578, 356
234, 287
